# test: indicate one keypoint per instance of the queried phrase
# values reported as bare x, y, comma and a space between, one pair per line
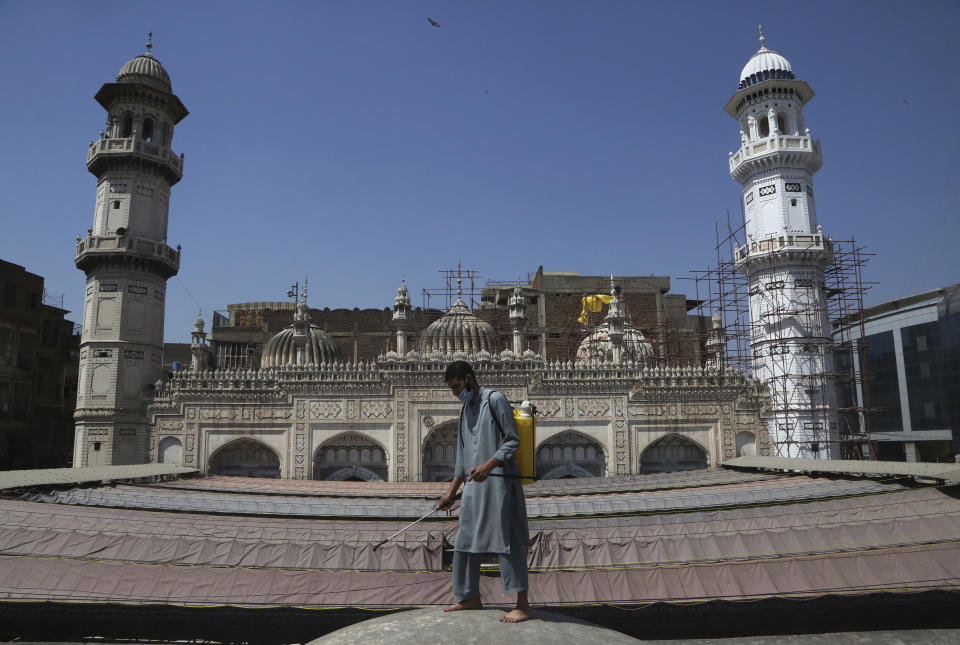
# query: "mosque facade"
616, 403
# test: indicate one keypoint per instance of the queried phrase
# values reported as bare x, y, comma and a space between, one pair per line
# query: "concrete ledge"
483, 627
53, 476
945, 472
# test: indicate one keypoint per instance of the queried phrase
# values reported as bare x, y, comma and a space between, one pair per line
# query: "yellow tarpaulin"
594, 304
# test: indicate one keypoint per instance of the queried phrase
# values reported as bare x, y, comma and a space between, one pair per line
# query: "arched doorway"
746, 444
570, 454
170, 451
672, 453
440, 453
245, 458
350, 456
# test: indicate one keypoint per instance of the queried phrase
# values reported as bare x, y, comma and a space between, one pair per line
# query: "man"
493, 513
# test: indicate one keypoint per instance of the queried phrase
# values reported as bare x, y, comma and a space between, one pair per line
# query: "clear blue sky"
352, 142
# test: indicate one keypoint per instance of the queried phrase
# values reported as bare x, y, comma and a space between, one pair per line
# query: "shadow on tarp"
44, 621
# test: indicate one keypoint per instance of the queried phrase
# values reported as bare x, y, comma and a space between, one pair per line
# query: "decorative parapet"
777, 245
801, 150
106, 148
93, 246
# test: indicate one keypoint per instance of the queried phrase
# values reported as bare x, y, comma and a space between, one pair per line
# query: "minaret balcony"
105, 149
99, 248
778, 247
775, 150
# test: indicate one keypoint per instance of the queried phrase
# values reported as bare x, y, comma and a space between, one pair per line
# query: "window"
782, 123
764, 124
793, 202
4, 400
6, 345
116, 204
26, 350
127, 129
10, 295
148, 129
21, 402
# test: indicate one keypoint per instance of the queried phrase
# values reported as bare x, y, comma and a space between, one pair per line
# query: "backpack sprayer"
526, 421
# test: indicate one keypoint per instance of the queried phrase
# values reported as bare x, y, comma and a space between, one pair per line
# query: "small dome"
764, 65
147, 70
458, 330
282, 350
597, 345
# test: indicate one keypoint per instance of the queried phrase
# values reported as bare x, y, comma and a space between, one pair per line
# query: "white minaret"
517, 308
785, 254
401, 316
127, 262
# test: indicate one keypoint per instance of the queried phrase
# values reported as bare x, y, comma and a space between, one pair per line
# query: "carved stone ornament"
299, 470
351, 409
549, 408
218, 413
401, 409
274, 413
428, 421
621, 469
325, 409
299, 459
246, 413
301, 408
301, 442
618, 407
376, 409
190, 439
191, 413
593, 407
188, 459
568, 407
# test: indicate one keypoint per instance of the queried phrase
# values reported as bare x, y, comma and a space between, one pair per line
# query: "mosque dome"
598, 346
147, 70
458, 330
764, 65
282, 349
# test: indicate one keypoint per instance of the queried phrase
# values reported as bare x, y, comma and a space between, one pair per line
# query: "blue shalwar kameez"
493, 513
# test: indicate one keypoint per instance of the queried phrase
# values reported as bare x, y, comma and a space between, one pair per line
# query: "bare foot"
515, 616
469, 603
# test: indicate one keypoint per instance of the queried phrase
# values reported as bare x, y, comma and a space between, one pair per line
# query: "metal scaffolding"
815, 377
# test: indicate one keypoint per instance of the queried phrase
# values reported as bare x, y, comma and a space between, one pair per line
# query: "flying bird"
433, 22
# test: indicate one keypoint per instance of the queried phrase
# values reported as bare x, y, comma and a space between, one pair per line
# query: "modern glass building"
906, 358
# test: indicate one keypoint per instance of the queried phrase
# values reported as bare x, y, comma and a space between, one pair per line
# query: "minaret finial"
304, 289
459, 281
149, 40
613, 286
762, 39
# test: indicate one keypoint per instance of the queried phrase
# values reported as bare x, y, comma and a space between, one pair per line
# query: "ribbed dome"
282, 350
764, 65
597, 345
458, 330
147, 70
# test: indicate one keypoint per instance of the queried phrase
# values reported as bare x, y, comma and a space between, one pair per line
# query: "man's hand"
481, 472
451, 495
446, 501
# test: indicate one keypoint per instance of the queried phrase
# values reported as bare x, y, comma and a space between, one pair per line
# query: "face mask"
466, 394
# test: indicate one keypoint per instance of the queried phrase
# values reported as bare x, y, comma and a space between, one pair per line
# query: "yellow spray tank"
527, 429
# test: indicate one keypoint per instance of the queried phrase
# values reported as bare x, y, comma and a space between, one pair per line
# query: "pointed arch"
673, 452
746, 444
245, 457
570, 454
439, 453
170, 451
350, 456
